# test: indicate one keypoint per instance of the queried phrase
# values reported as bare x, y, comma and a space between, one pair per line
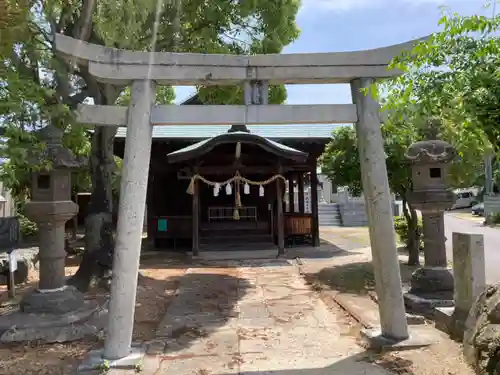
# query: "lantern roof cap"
430, 152
54, 151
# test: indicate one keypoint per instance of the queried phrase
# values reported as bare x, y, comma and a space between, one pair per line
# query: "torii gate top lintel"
122, 66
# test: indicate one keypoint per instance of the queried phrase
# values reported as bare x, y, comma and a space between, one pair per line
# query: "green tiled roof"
318, 131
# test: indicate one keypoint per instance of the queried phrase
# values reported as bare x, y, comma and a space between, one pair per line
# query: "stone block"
469, 269
451, 321
443, 317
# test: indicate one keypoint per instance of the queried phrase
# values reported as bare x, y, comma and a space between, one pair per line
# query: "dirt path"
258, 317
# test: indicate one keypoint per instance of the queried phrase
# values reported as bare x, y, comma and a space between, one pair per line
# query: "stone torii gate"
144, 70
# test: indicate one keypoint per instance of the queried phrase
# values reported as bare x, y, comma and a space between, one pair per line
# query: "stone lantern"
51, 207
432, 195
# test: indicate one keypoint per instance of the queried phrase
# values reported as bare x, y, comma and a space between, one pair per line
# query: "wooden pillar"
150, 211
196, 218
300, 183
280, 219
291, 195
314, 204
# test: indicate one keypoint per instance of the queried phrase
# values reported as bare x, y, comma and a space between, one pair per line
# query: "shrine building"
217, 187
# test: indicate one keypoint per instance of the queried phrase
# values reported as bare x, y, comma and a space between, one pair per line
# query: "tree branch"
84, 24
64, 18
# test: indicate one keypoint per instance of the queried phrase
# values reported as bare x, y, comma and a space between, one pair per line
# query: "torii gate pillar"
133, 190
380, 216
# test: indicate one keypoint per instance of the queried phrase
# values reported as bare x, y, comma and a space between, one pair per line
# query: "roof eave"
249, 138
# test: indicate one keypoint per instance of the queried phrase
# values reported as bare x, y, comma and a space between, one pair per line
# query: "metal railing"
226, 213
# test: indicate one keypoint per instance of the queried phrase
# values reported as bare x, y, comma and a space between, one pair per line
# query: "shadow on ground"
170, 259
359, 364
328, 249
203, 303
357, 278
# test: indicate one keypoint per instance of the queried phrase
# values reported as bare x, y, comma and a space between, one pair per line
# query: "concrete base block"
374, 339
96, 361
444, 319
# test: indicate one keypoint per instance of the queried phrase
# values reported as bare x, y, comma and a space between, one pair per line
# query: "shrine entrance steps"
235, 236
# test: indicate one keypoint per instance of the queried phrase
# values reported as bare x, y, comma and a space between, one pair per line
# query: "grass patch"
349, 278
356, 278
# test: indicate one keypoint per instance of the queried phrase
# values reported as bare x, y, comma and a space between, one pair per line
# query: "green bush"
401, 228
494, 218
27, 227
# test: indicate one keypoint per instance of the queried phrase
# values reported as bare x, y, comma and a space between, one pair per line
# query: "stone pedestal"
434, 239
52, 295
432, 285
61, 301
433, 282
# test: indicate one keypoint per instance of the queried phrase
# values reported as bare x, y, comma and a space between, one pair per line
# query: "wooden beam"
291, 195
168, 115
196, 219
300, 183
280, 223
314, 205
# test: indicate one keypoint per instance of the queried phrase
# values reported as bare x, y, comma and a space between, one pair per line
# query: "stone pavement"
254, 316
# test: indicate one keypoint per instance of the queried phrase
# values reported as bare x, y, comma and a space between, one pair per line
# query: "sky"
350, 25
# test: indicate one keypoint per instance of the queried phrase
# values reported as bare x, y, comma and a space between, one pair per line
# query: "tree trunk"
99, 241
413, 241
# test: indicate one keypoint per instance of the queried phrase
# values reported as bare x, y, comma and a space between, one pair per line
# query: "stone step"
232, 239
237, 246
